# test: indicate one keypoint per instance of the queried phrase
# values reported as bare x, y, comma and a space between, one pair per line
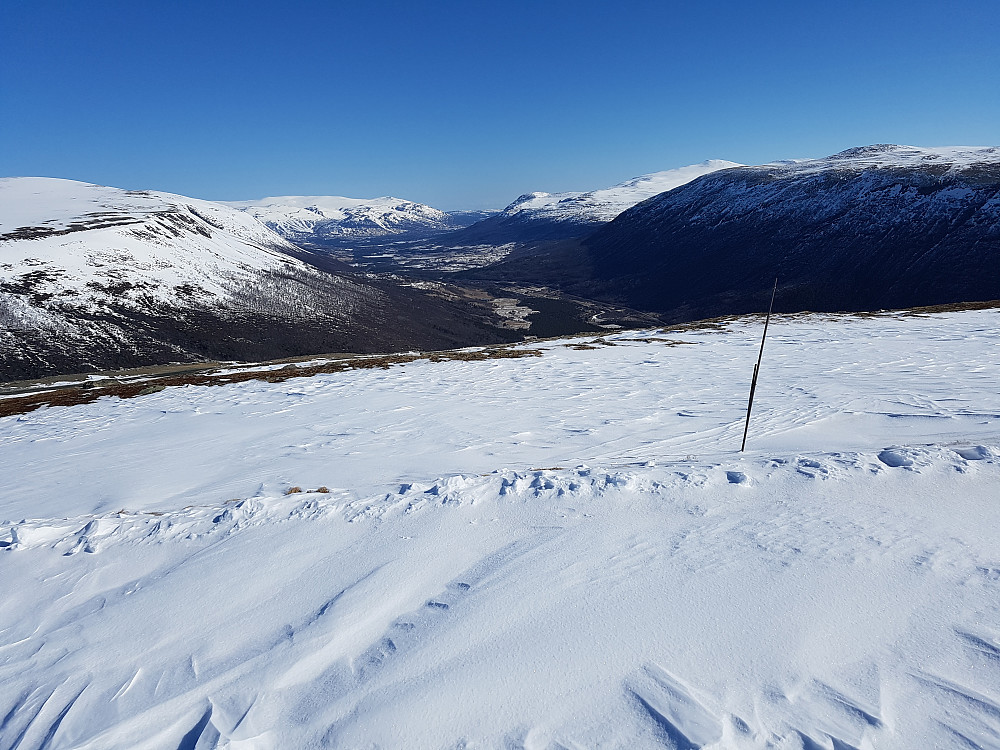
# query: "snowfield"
554, 551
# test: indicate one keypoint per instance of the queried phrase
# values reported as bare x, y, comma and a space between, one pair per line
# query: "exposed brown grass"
657, 340
87, 392
180, 375
931, 309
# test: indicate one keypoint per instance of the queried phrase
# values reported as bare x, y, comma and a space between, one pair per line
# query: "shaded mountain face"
869, 228
542, 217
93, 277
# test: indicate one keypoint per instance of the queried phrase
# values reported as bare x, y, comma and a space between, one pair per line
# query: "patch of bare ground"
599, 342
720, 323
21, 398
931, 309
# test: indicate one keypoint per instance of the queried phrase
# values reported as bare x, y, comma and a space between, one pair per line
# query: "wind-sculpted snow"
555, 551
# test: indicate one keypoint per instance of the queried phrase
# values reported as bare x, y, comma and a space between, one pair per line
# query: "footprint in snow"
894, 459
812, 468
974, 453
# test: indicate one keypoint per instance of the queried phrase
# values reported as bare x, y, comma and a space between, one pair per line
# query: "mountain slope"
316, 220
536, 217
97, 277
869, 228
83, 241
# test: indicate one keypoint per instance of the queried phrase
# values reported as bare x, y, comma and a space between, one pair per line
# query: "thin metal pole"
756, 367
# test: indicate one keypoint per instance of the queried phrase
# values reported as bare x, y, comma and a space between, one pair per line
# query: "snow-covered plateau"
894, 156
559, 550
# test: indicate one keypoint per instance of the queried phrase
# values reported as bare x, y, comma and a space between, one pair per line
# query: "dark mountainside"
97, 278
870, 228
519, 228
283, 315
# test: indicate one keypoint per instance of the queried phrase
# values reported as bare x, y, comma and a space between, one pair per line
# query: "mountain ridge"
540, 216
874, 227
318, 219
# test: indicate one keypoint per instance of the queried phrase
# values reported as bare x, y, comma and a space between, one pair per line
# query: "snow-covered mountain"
549, 216
90, 245
94, 276
600, 206
320, 219
563, 550
868, 228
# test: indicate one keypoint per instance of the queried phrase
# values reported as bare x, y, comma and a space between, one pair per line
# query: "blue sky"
469, 104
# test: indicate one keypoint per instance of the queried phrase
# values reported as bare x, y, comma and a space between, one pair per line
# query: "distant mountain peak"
891, 155
598, 206
315, 218
873, 150
540, 216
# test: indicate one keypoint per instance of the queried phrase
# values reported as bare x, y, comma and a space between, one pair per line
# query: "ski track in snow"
561, 551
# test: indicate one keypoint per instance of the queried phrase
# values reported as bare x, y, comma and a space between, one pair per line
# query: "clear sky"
469, 104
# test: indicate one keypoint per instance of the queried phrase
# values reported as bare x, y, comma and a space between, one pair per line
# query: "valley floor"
564, 550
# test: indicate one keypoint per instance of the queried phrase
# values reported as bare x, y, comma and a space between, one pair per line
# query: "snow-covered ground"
564, 550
